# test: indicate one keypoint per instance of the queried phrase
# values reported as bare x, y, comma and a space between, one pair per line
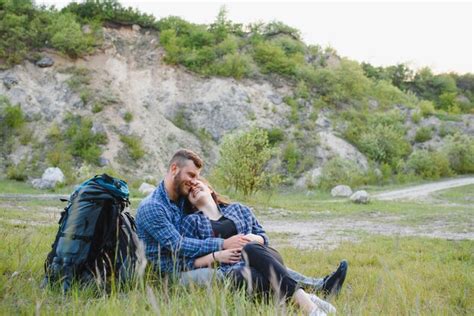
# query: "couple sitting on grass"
192, 233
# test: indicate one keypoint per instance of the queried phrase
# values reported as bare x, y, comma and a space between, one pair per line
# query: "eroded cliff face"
171, 107
166, 107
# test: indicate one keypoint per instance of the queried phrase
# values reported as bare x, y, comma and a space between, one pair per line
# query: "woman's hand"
228, 255
256, 238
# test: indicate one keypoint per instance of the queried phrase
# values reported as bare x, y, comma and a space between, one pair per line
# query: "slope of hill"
141, 93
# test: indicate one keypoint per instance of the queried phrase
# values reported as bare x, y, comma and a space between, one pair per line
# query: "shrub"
242, 161
128, 117
97, 107
388, 95
83, 143
67, 36
426, 108
291, 157
423, 134
416, 117
459, 149
234, 65
429, 165
383, 143
275, 135
339, 171
18, 172
134, 146
13, 117
272, 58
445, 130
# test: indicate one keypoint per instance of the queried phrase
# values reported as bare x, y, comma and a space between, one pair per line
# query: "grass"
387, 275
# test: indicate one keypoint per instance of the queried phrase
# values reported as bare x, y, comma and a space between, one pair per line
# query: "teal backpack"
96, 238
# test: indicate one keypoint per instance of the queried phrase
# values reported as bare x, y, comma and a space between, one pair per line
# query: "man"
158, 224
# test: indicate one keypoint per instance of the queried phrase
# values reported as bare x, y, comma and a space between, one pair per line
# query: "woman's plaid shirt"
199, 226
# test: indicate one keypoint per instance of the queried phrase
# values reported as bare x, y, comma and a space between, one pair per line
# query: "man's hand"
256, 238
228, 255
236, 241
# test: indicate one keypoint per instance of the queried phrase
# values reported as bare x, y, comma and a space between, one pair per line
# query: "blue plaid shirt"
197, 225
158, 226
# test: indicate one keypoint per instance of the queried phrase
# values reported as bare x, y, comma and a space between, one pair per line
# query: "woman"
256, 265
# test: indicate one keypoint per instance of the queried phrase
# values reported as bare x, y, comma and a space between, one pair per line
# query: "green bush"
416, 117
380, 136
291, 157
242, 161
18, 172
67, 36
235, 65
383, 143
424, 134
13, 37
272, 59
340, 171
13, 117
459, 149
429, 164
445, 130
82, 142
388, 95
133, 146
275, 136
426, 107
128, 117
110, 11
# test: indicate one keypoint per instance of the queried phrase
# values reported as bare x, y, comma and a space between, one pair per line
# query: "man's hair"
182, 155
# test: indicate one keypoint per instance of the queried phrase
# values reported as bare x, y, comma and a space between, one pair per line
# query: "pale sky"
423, 33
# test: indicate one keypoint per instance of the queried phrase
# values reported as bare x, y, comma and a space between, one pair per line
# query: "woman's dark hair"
218, 198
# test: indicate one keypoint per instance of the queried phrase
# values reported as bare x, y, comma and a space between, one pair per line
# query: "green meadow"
388, 275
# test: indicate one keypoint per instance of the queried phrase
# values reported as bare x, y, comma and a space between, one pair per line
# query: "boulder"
341, 190
360, 197
136, 27
50, 178
146, 188
45, 62
9, 81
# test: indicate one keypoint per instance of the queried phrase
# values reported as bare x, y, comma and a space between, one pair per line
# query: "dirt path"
329, 233
422, 190
320, 232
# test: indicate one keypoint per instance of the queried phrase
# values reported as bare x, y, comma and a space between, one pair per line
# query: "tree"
242, 162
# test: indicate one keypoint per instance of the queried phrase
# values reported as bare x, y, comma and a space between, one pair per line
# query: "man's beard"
180, 186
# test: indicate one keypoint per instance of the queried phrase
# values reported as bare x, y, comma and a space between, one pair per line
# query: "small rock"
146, 188
97, 128
14, 274
136, 27
341, 190
86, 29
45, 62
275, 99
9, 81
360, 197
103, 161
79, 104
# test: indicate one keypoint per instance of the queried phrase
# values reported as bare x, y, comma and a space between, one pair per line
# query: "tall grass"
387, 276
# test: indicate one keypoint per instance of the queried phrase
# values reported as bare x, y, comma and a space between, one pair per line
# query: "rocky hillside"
144, 109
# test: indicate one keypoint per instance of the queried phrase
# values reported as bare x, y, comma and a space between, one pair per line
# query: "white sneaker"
325, 306
318, 312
